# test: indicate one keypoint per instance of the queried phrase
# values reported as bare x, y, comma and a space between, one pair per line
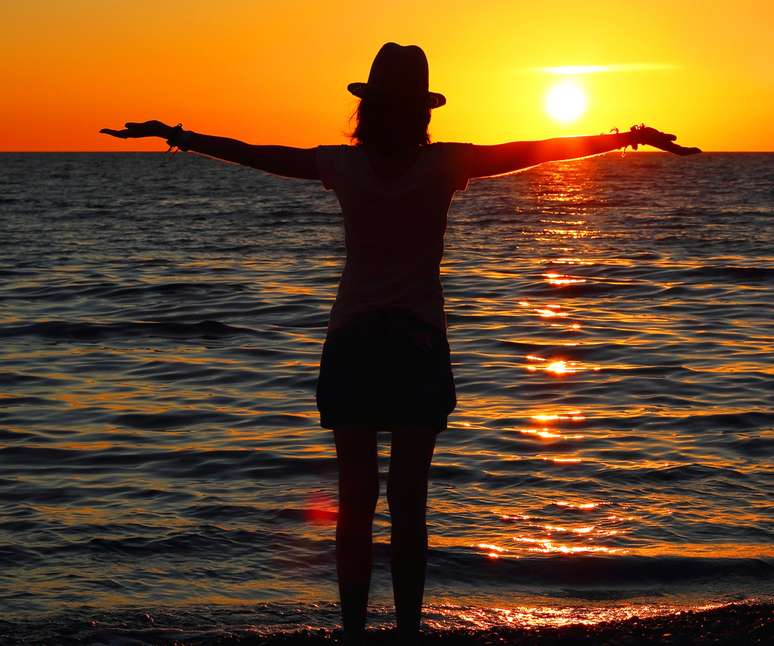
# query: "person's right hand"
134, 130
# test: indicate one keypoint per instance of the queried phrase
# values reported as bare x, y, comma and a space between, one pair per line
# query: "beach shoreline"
721, 625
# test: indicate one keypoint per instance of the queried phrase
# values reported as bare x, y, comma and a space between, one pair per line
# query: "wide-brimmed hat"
398, 73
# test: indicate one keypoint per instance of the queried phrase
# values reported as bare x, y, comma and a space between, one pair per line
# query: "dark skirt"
386, 369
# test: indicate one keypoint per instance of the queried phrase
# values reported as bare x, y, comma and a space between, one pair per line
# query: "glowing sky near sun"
566, 101
271, 72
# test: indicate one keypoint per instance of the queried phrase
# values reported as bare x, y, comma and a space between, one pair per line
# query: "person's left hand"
134, 130
661, 140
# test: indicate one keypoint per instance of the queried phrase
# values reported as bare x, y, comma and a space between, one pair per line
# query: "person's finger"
121, 134
679, 150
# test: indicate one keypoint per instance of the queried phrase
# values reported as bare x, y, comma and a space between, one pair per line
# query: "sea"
611, 323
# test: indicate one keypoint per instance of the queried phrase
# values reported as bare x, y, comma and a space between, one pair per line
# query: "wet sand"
737, 624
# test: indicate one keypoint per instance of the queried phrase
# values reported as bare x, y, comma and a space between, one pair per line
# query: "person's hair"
391, 126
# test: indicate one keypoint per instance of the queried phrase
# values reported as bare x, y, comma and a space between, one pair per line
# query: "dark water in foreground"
161, 325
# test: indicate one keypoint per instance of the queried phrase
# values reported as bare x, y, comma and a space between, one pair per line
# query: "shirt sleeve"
456, 164
328, 165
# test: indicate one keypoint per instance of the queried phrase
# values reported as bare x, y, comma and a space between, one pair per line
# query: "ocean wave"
84, 331
158, 431
209, 543
181, 463
590, 571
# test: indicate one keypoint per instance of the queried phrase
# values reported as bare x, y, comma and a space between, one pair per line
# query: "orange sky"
276, 71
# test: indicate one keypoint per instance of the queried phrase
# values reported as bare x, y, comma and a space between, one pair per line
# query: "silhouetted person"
385, 363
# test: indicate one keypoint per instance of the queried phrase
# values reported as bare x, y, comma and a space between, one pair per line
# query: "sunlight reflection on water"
611, 341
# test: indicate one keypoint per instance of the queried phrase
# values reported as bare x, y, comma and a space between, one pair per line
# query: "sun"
566, 101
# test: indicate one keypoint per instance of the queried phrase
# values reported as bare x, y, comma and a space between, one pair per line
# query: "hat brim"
362, 91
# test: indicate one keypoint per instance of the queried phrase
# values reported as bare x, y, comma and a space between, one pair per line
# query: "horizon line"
162, 152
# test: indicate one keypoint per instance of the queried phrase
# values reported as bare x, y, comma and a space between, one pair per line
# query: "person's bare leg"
356, 452
411, 454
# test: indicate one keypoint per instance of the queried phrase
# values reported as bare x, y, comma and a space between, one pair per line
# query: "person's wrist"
178, 137
173, 133
638, 135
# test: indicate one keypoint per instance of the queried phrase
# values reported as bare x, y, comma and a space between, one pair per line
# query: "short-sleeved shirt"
394, 229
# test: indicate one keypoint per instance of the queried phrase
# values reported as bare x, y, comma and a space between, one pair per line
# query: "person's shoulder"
335, 153
450, 144
336, 148
450, 148
454, 159
334, 162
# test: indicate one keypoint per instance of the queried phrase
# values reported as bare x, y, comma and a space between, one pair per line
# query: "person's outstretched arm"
484, 161
280, 160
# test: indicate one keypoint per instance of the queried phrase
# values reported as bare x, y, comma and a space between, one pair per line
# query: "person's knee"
407, 502
359, 498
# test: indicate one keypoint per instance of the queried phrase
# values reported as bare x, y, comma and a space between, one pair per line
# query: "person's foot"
406, 638
354, 638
